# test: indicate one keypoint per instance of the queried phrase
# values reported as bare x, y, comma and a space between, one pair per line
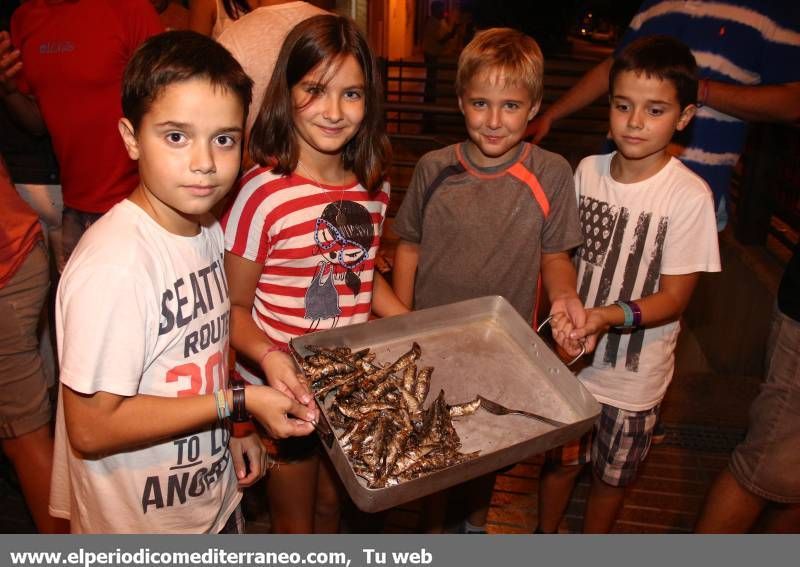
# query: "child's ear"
128, 134
534, 110
686, 116
460, 104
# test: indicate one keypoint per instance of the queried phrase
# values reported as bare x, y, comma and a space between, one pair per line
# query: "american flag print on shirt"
620, 260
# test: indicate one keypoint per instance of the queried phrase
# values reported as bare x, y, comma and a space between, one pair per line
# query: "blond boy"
493, 214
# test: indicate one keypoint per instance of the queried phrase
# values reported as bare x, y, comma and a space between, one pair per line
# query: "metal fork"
497, 409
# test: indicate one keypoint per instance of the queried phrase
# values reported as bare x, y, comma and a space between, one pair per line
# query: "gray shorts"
24, 401
767, 462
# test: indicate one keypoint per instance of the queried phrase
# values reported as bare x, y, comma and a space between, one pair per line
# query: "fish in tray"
387, 434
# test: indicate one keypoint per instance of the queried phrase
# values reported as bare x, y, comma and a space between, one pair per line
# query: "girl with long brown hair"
302, 235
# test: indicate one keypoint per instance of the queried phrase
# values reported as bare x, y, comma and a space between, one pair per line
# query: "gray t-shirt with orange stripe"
482, 231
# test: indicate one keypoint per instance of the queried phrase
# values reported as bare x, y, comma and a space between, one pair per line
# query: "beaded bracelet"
223, 411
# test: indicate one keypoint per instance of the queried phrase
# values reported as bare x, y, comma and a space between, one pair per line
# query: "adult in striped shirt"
746, 51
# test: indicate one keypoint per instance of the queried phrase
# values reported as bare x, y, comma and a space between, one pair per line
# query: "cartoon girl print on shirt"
343, 235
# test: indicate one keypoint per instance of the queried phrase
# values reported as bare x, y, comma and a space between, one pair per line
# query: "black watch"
239, 412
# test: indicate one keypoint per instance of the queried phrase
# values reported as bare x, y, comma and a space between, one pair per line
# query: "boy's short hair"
510, 53
174, 57
663, 57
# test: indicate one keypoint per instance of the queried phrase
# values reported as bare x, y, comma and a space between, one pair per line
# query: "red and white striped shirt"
317, 244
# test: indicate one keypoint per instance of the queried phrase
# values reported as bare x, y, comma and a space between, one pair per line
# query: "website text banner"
394, 551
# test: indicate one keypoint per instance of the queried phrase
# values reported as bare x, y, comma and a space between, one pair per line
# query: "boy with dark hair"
650, 230
742, 47
142, 443
490, 215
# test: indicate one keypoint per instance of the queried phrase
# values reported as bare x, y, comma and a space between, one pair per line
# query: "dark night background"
549, 21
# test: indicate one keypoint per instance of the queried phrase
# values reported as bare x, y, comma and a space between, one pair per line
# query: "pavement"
666, 498
705, 416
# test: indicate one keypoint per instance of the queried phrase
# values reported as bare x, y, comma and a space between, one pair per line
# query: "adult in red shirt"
25, 411
65, 75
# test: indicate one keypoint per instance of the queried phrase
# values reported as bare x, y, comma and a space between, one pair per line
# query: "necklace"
341, 220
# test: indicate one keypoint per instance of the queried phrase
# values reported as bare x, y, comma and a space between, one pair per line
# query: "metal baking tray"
480, 346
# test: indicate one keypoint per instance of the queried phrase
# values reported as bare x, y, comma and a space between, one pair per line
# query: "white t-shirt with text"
143, 311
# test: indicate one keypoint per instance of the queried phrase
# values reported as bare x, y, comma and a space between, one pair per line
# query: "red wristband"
270, 350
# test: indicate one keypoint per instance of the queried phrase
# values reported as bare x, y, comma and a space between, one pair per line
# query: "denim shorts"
767, 462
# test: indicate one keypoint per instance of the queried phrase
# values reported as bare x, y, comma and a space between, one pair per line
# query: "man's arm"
768, 103
21, 106
404, 273
589, 88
